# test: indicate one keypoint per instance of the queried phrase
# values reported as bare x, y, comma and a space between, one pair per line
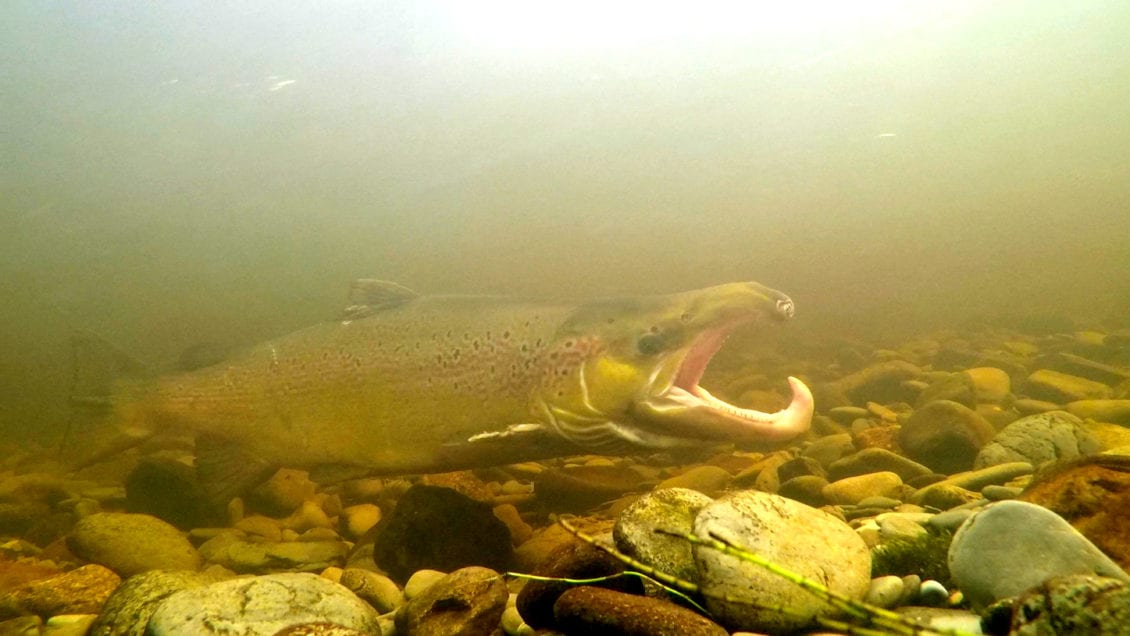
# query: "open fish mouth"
683, 408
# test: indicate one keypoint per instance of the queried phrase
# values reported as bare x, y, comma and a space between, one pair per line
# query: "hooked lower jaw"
695, 413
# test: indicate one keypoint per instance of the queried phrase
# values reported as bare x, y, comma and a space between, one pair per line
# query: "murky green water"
173, 175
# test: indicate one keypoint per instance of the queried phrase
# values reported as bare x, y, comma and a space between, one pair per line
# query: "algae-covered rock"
802, 539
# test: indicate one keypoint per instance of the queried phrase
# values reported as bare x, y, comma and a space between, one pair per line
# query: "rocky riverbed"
977, 482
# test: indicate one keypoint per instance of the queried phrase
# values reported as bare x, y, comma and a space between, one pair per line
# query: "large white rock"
261, 605
795, 536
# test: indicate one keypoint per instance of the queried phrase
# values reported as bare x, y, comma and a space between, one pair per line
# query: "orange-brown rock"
1093, 494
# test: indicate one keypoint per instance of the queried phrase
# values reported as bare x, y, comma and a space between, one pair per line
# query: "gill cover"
624, 373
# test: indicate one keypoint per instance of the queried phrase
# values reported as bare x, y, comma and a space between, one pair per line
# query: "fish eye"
650, 344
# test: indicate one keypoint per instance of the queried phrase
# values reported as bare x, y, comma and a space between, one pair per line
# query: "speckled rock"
668, 509
250, 557
573, 560
261, 605
992, 553
80, 591
132, 543
320, 629
128, 609
593, 610
945, 436
1036, 439
873, 460
851, 490
467, 602
803, 539
1054, 386
1093, 494
1078, 604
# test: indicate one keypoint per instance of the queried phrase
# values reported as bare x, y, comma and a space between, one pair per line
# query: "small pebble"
420, 581
932, 593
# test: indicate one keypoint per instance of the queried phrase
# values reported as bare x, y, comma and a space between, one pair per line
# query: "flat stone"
1054, 386
261, 605
993, 554
872, 460
593, 610
851, 490
251, 557
1113, 411
808, 541
708, 480
132, 543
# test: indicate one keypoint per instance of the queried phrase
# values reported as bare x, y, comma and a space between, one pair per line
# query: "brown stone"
467, 602
945, 436
80, 591
1093, 494
591, 610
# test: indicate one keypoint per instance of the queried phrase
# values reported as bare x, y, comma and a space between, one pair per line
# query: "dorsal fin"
367, 295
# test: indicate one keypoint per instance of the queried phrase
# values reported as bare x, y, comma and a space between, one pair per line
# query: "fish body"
408, 383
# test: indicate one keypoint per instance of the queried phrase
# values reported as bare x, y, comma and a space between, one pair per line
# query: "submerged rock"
945, 436
574, 560
467, 602
800, 538
242, 555
594, 610
127, 611
80, 591
1092, 494
438, 528
261, 605
1078, 604
1038, 439
132, 543
1010, 546
669, 509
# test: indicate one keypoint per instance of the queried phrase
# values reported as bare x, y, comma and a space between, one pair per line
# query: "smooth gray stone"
1010, 546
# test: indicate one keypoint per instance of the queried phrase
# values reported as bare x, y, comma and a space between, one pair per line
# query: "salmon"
404, 383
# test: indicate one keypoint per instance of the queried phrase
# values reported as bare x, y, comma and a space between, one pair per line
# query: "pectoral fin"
225, 470
516, 443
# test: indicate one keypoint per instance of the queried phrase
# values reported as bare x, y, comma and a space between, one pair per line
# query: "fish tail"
103, 382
